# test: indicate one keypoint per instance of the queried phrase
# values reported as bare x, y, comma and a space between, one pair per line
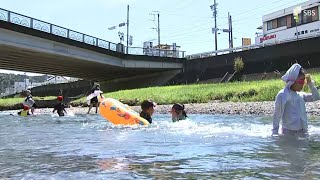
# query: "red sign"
273, 36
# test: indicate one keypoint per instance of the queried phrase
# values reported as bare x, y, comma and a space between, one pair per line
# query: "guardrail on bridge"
39, 25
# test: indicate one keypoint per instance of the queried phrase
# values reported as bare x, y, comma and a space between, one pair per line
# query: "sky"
185, 22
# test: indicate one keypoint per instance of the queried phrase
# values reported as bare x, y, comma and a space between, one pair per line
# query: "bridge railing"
243, 48
39, 25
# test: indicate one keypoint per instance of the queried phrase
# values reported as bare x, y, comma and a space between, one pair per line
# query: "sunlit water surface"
88, 147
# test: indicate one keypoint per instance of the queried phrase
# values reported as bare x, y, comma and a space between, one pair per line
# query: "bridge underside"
19, 59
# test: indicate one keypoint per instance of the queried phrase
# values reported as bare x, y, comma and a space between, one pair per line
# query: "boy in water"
290, 102
178, 113
60, 107
147, 110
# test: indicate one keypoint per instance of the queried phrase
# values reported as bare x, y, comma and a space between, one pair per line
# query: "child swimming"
178, 113
60, 107
290, 102
147, 110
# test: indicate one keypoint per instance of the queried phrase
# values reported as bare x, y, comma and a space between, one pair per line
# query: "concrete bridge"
31, 45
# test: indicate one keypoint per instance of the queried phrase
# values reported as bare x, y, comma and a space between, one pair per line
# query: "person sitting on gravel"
178, 113
147, 110
290, 102
60, 107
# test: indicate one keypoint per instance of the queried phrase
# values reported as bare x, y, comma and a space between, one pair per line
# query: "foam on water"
205, 146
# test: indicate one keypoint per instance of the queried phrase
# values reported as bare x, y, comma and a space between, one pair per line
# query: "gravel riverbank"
216, 107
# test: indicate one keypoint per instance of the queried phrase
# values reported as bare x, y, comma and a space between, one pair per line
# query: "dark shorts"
94, 100
35, 105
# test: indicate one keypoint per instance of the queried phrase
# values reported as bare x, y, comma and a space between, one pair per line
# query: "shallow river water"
206, 147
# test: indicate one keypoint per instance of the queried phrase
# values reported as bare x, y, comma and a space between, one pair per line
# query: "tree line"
8, 80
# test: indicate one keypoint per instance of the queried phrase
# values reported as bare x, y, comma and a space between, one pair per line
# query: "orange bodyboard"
120, 114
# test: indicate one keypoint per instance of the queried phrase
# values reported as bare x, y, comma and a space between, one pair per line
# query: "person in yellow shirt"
25, 111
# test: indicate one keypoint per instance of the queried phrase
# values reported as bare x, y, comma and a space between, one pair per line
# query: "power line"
242, 12
259, 7
185, 4
252, 15
188, 32
173, 34
193, 28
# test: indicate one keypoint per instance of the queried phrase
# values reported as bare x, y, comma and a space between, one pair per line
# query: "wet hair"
146, 104
179, 108
302, 72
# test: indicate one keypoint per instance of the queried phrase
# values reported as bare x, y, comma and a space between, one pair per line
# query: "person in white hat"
290, 106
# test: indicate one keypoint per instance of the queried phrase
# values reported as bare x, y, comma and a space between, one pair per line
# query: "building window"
289, 21
306, 16
315, 16
272, 24
269, 25
282, 21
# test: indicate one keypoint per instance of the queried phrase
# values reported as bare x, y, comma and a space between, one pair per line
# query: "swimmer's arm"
278, 113
54, 109
313, 96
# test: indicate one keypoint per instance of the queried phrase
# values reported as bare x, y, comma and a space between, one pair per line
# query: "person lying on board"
147, 108
178, 113
60, 107
290, 103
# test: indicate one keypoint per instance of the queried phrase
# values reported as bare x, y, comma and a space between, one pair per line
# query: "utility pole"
215, 24
128, 29
154, 13
296, 12
230, 31
159, 29
214, 9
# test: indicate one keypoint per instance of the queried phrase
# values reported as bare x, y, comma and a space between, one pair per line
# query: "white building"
56, 80
165, 50
281, 25
26, 84
21, 86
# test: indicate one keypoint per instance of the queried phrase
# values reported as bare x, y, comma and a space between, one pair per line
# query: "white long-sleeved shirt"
290, 108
